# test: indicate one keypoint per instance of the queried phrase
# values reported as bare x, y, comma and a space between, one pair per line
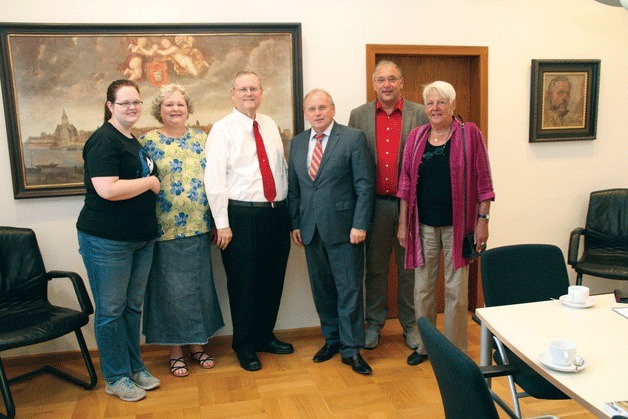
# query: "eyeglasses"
391, 80
320, 108
439, 152
243, 90
136, 103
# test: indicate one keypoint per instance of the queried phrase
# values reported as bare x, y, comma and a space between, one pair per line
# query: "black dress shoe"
326, 353
276, 346
249, 361
416, 358
358, 364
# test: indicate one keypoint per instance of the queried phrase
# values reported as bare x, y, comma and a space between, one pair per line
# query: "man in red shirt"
386, 123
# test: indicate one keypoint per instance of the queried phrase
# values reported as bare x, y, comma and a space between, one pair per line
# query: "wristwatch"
485, 216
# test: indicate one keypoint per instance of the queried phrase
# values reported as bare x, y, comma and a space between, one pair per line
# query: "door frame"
478, 54
478, 113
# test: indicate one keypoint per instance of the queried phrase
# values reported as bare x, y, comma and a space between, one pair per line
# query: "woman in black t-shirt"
116, 231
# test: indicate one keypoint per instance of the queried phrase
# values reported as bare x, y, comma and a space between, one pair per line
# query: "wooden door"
466, 68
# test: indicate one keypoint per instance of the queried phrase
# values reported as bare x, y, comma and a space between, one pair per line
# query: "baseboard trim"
72, 355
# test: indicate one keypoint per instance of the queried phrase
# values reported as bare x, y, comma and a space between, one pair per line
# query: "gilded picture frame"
54, 80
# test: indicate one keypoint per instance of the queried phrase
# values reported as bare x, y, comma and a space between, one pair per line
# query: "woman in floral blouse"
181, 306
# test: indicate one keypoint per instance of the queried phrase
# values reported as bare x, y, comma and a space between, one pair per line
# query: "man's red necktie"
270, 192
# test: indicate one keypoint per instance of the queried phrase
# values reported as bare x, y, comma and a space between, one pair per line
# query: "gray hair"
383, 63
246, 73
325, 92
443, 89
163, 93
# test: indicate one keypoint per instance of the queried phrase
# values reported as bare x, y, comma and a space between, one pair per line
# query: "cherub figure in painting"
134, 68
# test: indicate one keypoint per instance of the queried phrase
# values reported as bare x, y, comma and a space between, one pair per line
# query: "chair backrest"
607, 221
523, 273
463, 389
23, 282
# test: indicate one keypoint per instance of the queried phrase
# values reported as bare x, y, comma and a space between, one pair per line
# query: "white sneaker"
145, 380
126, 389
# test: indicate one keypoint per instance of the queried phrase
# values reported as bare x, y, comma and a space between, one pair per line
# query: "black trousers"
255, 263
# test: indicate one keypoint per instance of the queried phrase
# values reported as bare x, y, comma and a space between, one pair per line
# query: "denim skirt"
181, 306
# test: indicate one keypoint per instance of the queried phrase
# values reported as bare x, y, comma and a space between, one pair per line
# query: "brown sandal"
180, 370
204, 360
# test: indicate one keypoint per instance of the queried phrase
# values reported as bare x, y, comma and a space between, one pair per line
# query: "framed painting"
563, 101
54, 80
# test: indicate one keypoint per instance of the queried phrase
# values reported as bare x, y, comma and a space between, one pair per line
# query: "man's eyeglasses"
439, 152
136, 103
244, 90
391, 80
313, 109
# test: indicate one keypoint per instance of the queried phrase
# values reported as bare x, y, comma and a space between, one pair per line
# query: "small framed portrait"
563, 100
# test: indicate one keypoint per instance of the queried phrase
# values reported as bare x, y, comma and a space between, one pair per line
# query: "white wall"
542, 189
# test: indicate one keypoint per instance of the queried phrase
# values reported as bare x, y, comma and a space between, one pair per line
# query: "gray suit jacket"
342, 195
363, 118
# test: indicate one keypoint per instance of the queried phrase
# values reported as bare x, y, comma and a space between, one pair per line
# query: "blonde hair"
163, 93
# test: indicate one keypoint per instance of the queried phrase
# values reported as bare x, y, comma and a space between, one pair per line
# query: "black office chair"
522, 274
605, 250
462, 385
26, 315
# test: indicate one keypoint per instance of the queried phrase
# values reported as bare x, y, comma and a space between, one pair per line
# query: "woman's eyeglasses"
127, 105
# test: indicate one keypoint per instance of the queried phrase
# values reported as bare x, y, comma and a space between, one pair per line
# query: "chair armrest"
79, 288
490, 371
476, 319
574, 245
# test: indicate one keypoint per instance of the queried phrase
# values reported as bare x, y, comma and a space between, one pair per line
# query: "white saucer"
546, 359
567, 301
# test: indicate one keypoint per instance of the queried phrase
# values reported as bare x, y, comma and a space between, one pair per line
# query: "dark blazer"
341, 197
363, 118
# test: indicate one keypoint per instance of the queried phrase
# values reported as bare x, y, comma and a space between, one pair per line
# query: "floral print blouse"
182, 209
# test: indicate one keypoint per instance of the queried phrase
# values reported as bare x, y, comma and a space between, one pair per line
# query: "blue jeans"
117, 272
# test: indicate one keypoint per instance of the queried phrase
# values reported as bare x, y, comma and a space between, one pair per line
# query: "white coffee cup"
563, 352
578, 294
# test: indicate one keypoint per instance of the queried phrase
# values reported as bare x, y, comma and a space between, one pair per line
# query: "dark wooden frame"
21, 45
580, 122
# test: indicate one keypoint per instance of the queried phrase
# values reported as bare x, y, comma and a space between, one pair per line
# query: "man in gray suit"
386, 123
330, 198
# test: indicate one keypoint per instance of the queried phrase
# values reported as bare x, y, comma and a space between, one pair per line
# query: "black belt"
386, 197
276, 204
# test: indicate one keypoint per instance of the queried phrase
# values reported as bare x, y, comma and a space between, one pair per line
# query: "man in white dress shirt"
253, 227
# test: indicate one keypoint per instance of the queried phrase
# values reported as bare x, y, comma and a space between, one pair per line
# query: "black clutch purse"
469, 249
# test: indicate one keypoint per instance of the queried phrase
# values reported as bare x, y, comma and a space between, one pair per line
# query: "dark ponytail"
112, 92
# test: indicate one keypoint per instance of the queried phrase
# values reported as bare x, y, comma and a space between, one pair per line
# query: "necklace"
444, 134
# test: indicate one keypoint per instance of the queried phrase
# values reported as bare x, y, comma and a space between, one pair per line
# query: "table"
600, 333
